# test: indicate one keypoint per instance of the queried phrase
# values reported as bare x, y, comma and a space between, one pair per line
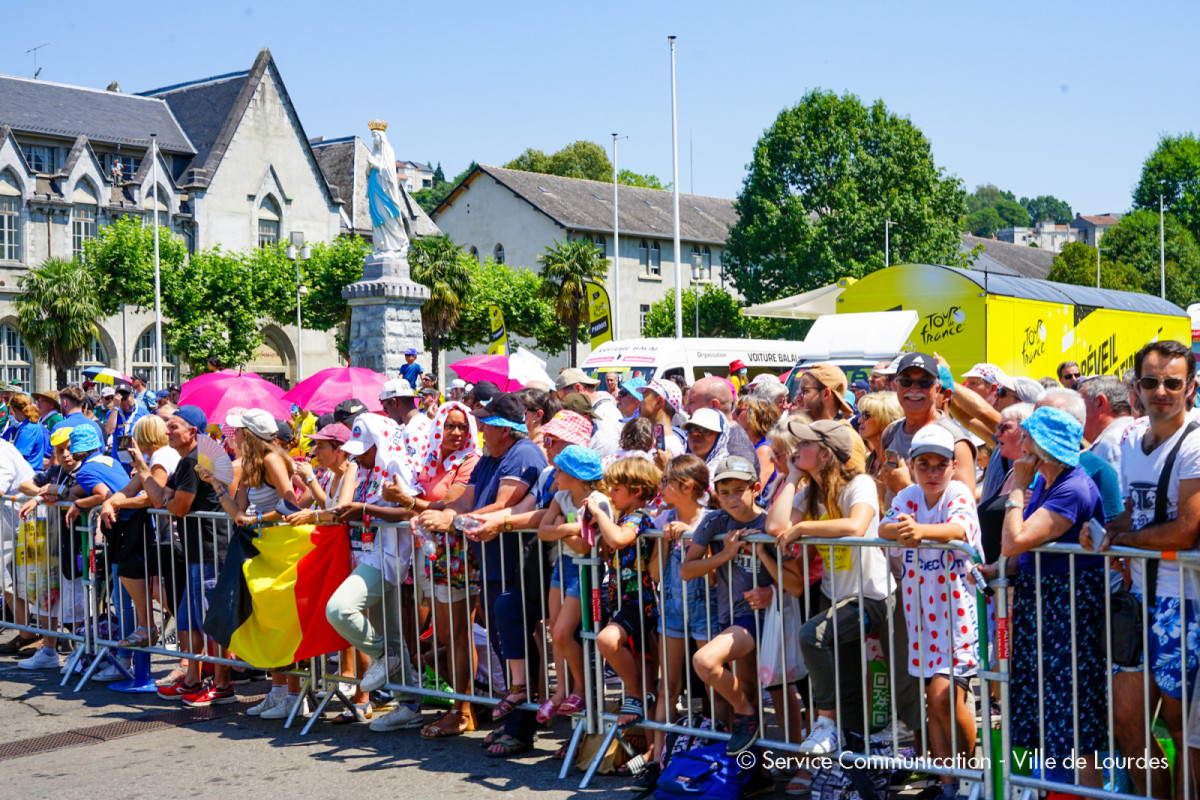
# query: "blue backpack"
702, 771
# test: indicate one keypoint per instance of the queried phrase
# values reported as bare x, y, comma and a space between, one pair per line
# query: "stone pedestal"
385, 314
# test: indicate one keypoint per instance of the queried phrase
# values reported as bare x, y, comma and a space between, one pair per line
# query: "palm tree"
57, 312
438, 264
566, 269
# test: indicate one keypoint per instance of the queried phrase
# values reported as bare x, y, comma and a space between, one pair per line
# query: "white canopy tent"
809, 305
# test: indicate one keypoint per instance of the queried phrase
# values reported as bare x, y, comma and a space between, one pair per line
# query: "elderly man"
1108, 416
714, 392
822, 395
604, 408
880, 375
47, 403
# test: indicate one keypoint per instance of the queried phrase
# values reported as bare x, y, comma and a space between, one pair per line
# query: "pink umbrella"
321, 392
215, 394
494, 368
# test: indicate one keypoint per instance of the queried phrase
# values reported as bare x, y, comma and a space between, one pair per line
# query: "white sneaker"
270, 701
44, 658
903, 734
823, 739
110, 673
282, 709
402, 717
377, 674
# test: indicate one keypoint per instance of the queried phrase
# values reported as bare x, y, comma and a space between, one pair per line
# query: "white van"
692, 358
855, 342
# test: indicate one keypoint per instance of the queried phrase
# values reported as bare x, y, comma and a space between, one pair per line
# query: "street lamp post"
700, 276
887, 243
299, 252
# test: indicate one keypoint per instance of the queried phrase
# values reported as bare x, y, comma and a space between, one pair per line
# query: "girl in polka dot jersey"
939, 602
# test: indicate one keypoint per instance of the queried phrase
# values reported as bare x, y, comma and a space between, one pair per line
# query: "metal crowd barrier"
1146, 759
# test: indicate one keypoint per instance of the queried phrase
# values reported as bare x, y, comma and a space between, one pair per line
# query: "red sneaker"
210, 696
177, 690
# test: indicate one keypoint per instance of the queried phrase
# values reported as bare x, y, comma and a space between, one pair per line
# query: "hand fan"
211, 455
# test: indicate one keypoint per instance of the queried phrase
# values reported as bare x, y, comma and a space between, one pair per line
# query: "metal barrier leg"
611, 734
580, 725
141, 682
104, 654
72, 664
306, 689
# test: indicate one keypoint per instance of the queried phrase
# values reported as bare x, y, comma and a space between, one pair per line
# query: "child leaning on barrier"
943, 629
629, 637
580, 478
744, 589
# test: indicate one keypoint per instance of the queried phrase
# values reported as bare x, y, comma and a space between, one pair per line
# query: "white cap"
255, 420
458, 383
396, 388
107, 391
984, 371
890, 369
707, 418
369, 431
932, 439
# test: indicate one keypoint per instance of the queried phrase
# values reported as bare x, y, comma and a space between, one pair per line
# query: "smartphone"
660, 437
1097, 532
891, 458
124, 442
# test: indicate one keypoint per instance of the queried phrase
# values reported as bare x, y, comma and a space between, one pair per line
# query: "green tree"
1047, 207
532, 160
1013, 214
824, 178
526, 313
1134, 242
122, 257
987, 196
438, 175
1173, 171
720, 316
647, 181
431, 198
984, 222
442, 267
566, 267
57, 311
1076, 264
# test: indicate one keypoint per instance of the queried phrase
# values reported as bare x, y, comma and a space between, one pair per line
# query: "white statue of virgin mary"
383, 195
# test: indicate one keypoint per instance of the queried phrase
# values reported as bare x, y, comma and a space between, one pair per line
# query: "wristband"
260, 518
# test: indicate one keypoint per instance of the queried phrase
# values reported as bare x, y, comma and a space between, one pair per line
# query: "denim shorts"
702, 625
568, 567
202, 579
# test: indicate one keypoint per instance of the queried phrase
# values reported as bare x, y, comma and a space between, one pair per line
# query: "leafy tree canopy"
987, 196
823, 179
1173, 171
1013, 214
720, 316
526, 313
1047, 207
629, 178
582, 159
1076, 264
1134, 242
122, 257
984, 222
431, 198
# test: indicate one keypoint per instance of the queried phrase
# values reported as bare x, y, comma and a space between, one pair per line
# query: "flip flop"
572, 705
548, 711
512, 746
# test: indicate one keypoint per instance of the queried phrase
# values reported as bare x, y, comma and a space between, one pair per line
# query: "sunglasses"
456, 426
696, 431
1150, 384
1002, 392
920, 383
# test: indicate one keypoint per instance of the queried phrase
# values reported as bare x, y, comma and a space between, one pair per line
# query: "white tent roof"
809, 305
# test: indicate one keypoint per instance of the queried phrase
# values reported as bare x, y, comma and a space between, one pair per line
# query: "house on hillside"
414, 176
512, 217
1045, 235
1092, 228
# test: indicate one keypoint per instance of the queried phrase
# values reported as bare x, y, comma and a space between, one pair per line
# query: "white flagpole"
158, 352
616, 260
675, 200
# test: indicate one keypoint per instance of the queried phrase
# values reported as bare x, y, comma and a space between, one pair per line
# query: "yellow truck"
1024, 326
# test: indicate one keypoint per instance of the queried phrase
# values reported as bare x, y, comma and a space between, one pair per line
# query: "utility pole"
675, 200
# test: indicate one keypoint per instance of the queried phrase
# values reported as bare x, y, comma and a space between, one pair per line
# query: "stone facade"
385, 315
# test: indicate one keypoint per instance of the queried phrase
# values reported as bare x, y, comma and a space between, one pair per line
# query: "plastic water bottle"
466, 524
428, 543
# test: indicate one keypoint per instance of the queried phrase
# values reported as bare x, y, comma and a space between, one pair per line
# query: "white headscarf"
375, 430
430, 458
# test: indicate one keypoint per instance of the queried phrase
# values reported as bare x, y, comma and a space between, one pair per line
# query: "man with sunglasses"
821, 394
1068, 374
1165, 373
917, 379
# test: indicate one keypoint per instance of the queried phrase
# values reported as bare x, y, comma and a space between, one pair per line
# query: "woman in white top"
153, 462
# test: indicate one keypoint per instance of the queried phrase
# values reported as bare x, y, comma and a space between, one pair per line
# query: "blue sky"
1038, 98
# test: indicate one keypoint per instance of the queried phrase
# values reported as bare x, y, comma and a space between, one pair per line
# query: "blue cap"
193, 416
1056, 432
580, 462
85, 438
412, 351
850, 398
634, 385
860, 386
945, 377
162, 394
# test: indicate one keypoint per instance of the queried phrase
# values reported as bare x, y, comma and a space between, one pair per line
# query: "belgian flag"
268, 606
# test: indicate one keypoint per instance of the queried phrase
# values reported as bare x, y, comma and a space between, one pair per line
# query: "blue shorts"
1166, 646
702, 624
568, 566
201, 580
748, 622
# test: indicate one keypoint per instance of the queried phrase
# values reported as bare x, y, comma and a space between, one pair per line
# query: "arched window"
655, 266
143, 360
10, 218
16, 362
83, 216
268, 222
94, 356
474, 251
270, 360
706, 259
644, 254
498, 253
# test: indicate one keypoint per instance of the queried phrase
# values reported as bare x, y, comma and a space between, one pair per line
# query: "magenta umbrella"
494, 368
216, 393
321, 392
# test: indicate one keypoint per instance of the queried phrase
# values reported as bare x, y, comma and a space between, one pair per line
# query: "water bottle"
466, 524
428, 543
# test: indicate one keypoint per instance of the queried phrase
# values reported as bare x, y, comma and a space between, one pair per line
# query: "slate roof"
54, 109
1100, 219
584, 205
344, 164
1053, 292
1005, 258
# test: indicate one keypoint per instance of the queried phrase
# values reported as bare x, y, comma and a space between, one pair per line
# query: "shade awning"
808, 305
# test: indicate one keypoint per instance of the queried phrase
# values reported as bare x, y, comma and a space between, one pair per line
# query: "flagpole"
675, 200
158, 353
1162, 252
616, 261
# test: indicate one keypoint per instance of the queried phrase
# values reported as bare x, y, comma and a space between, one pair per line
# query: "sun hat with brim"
984, 371
337, 432
579, 404
1056, 432
580, 462
397, 387
574, 375
634, 386
60, 436
85, 438
257, 421
50, 397
708, 419
1027, 390
192, 415
505, 411
831, 433
734, 467
570, 427
935, 439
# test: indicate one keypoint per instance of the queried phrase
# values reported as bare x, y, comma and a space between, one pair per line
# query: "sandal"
348, 716
141, 637
511, 746
444, 727
633, 706
18, 643
515, 697
572, 705
634, 767
173, 676
548, 711
798, 785
561, 753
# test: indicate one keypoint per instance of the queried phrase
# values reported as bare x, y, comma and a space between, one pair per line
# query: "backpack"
832, 782
703, 772
677, 743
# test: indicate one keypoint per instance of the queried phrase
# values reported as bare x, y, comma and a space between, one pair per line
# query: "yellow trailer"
1024, 326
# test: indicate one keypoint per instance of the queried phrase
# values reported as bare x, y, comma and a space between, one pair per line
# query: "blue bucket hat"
634, 386
945, 377
580, 462
193, 416
85, 438
1056, 432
